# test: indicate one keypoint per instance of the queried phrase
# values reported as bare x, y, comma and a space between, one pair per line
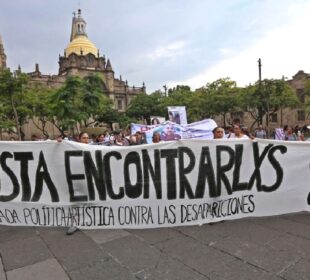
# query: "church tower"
81, 56
2, 55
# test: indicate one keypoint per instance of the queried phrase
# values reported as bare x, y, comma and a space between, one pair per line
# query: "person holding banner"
218, 133
84, 138
237, 133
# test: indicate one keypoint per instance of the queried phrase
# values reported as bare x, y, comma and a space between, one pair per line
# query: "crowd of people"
168, 133
286, 133
123, 138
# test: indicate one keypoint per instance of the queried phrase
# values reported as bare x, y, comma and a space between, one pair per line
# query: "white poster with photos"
177, 114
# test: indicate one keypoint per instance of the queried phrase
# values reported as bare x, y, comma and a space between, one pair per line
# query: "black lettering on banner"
258, 160
94, 173
10, 173
236, 185
108, 176
252, 207
206, 171
217, 209
185, 186
135, 215
133, 191
276, 165
70, 177
170, 155
221, 169
44, 176
166, 215
9, 216
155, 173
24, 158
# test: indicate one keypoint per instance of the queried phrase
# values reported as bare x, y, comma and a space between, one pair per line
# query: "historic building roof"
81, 45
79, 42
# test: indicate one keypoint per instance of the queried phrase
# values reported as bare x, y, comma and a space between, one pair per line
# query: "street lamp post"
265, 98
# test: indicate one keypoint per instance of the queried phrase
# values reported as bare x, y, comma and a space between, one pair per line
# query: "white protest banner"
172, 131
186, 182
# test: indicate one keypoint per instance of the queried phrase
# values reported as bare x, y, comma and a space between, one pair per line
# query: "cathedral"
81, 58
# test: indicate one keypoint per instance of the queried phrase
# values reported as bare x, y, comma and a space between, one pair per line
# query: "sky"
165, 42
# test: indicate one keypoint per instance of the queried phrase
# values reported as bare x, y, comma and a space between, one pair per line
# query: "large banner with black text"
185, 182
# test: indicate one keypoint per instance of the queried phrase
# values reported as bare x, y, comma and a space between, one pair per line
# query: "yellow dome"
81, 43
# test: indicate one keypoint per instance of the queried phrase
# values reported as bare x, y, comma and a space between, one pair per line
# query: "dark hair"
214, 129
155, 121
154, 134
81, 134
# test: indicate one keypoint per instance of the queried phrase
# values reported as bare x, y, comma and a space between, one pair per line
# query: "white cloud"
169, 51
282, 50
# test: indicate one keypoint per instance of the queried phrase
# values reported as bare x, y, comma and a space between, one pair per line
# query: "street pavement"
270, 248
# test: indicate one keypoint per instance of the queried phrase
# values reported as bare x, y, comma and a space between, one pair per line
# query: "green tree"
145, 105
219, 97
15, 100
78, 101
266, 97
93, 102
64, 113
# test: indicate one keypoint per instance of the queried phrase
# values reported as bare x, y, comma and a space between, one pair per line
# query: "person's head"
237, 130
218, 133
260, 127
289, 130
83, 138
156, 137
118, 136
138, 136
100, 138
155, 121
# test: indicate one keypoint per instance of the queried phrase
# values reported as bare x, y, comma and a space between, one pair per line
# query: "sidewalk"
259, 248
